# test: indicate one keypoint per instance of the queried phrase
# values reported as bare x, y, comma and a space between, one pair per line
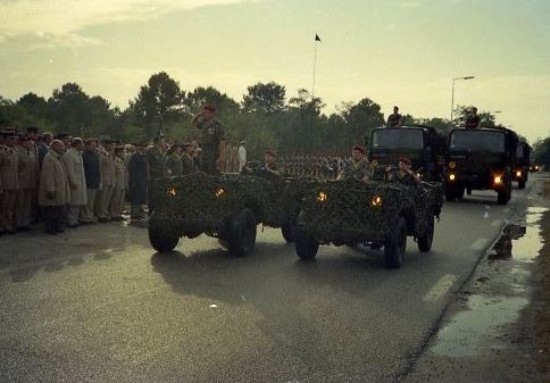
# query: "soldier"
44, 147
156, 161
188, 160
473, 121
117, 202
212, 140
404, 173
357, 167
92, 175
28, 182
53, 193
74, 165
394, 120
138, 178
9, 175
107, 165
174, 162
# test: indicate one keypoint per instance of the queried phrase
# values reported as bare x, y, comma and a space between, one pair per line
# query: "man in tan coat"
107, 169
53, 193
28, 183
119, 191
72, 160
9, 174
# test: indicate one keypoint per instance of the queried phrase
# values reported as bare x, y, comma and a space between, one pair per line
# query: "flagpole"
314, 64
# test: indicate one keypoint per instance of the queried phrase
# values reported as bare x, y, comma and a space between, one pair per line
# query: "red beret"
406, 161
209, 107
271, 153
359, 147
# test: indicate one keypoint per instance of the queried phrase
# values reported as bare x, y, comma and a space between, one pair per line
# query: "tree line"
265, 117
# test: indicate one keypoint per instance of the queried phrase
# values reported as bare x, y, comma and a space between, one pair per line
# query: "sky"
395, 52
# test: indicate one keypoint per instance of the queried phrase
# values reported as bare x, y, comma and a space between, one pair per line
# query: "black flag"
317, 38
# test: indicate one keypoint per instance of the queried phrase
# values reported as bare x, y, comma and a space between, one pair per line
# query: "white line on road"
440, 288
479, 244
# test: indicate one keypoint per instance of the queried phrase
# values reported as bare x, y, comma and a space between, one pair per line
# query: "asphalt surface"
97, 304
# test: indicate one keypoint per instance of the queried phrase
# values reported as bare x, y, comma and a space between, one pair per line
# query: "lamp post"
453, 93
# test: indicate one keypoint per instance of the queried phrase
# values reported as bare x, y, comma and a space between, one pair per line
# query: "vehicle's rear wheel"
426, 239
242, 233
306, 246
450, 194
162, 236
395, 245
521, 184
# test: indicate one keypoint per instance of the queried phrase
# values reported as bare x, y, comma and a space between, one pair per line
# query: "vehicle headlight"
322, 197
452, 165
219, 192
376, 201
171, 192
518, 173
452, 177
497, 179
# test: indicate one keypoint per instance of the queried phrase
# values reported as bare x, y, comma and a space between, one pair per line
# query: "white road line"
479, 244
495, 223
440, 288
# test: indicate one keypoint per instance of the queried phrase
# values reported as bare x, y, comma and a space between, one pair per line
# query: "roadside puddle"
480, 328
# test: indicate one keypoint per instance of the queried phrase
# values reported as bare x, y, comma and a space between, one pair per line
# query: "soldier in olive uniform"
212, 140
117, 202
188, 159
174, 162
9, 175
156, 160
107, 169
357, 167
28, 183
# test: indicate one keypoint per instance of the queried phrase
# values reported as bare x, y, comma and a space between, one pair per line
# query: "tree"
487, 118
265, 98
157, 103
67, 108
361, 119
200, 96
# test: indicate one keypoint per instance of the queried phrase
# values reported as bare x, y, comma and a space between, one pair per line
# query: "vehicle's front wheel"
306, 246
162, 235
395, 245
426, 239
242, 233
521, 184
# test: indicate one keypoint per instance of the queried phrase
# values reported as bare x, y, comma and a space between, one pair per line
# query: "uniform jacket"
120, 173
107, 166
9, 170
53, 178
73, 162
28, 169
91, 169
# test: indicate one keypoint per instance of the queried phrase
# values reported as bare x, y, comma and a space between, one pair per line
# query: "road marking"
496, 222
479, 244
440, 288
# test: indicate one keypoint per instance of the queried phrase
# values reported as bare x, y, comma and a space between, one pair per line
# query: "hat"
405, 160
271, 153
359, 148
209, 107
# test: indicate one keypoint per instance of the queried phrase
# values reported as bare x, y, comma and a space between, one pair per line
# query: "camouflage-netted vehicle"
228, 207
377, 213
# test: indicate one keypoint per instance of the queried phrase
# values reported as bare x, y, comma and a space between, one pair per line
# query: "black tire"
502, 198
288, 231
306, 247
242, 233
395, 245
460, 193
426, 239
160, 237
450, 195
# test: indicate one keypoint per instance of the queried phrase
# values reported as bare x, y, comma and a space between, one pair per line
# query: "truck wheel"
242, 233
161, 239
450, 195
288, 231
395, 245
460, 193
521, 184
306, 247
502, 198
425, 241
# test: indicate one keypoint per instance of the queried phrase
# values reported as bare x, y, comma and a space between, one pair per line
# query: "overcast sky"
395, 52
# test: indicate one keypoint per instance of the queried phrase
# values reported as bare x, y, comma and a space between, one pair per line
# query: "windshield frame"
476, 143
403, 143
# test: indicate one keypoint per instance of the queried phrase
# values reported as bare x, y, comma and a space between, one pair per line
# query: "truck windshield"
478, 140
519, 151
401, 138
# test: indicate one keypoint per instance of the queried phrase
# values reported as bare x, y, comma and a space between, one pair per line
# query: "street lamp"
453, 92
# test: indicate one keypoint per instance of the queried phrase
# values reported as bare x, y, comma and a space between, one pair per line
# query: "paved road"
97, 304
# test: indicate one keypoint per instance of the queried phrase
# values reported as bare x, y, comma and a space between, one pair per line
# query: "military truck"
375, 213
423, 145
480, 159
228, 207
523, 160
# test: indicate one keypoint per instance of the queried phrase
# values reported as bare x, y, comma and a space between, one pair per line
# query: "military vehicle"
480, 159
228, 207
374, 213
423, 145
523, 160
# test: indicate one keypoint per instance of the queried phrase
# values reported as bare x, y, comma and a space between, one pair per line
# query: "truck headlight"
376, 201
497, 179
322, 197
219, 192
171, 192
518, 173
452, 177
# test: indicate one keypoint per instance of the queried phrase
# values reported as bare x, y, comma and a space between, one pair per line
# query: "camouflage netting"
351, 211
203, 203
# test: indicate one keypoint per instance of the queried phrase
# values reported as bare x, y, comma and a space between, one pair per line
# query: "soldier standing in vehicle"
212, 140
394, 119
473, 121
357, 167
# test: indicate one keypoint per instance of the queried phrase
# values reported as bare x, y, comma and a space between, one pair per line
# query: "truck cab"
521, 169
480, 159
